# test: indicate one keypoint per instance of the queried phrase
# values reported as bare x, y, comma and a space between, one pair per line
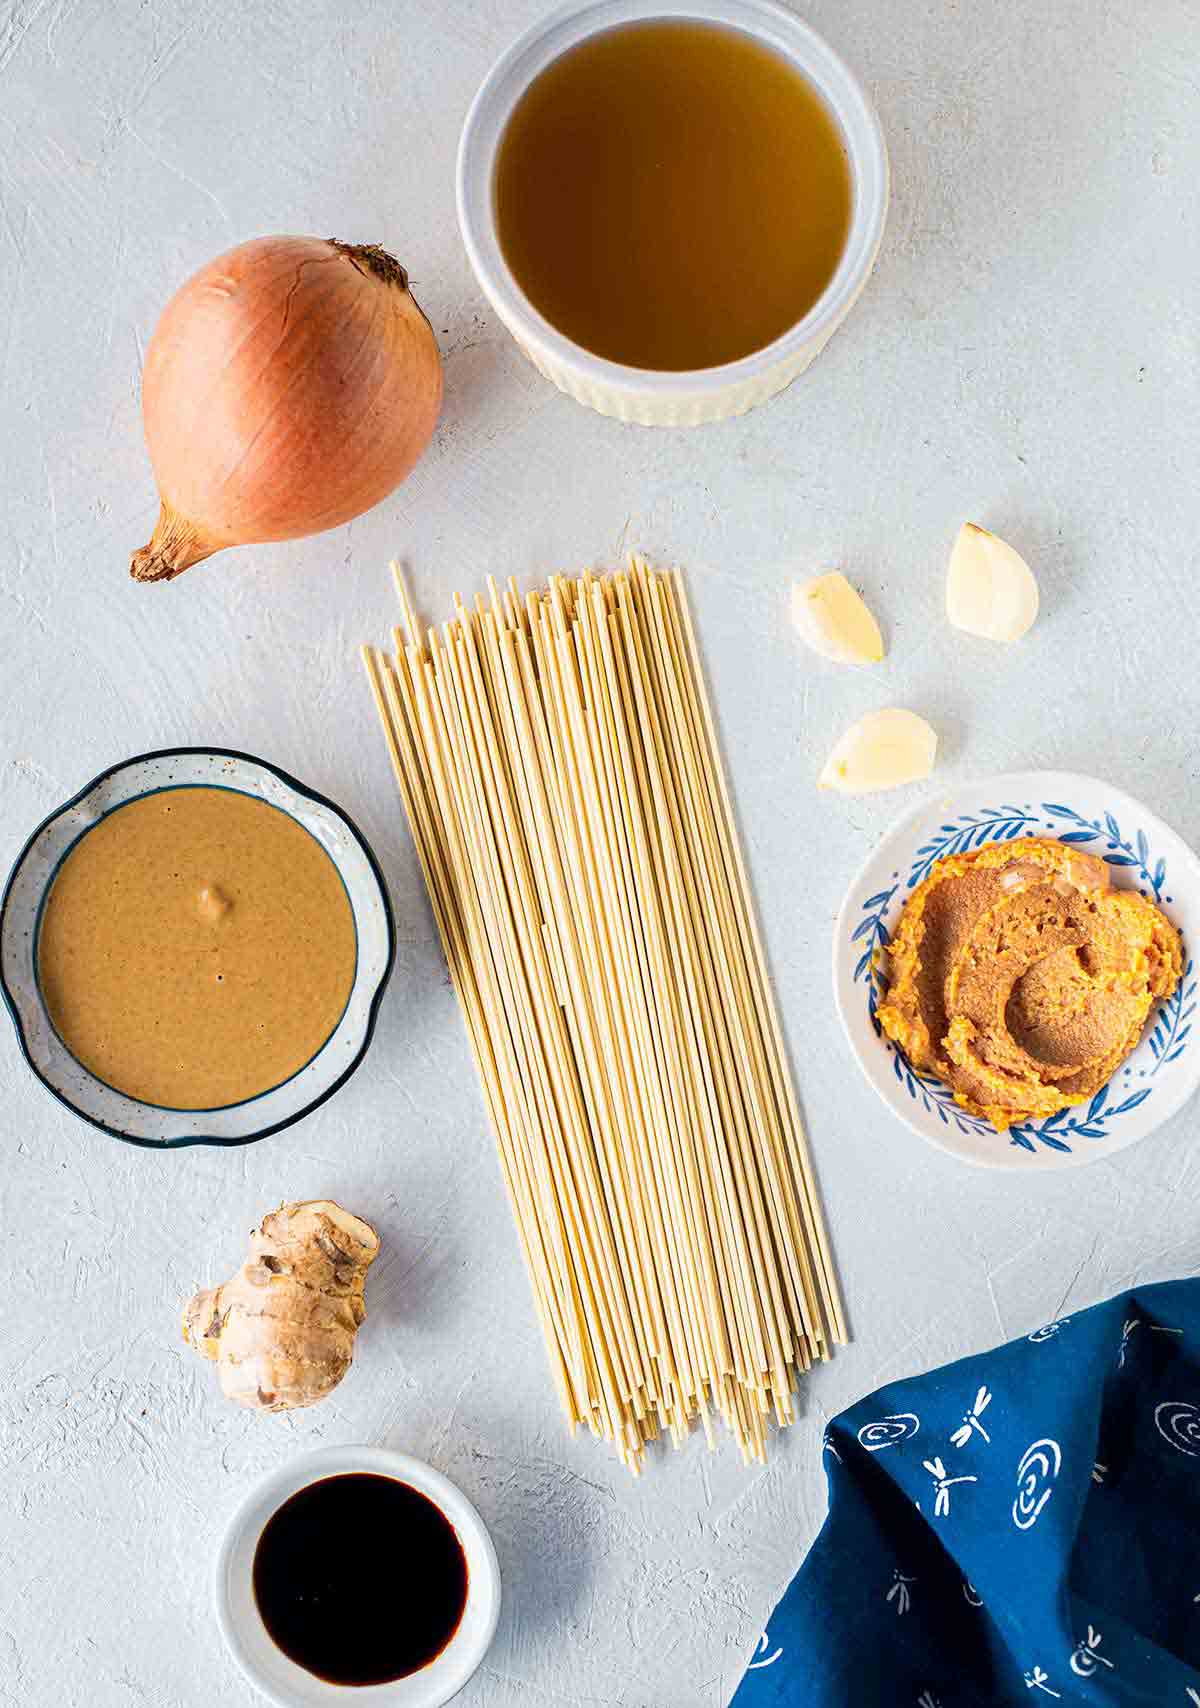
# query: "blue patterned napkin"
1020, 1527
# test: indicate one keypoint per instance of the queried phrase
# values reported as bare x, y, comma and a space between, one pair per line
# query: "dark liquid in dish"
672, 194
360, 1579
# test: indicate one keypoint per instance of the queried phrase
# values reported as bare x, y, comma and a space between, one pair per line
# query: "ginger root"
281, 1332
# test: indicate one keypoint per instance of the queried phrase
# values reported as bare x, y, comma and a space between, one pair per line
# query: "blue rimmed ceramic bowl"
1142, 852
34, 871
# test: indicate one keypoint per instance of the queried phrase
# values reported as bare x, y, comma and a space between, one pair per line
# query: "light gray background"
1025, 355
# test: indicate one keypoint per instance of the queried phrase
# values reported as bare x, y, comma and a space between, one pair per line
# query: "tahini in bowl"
29, 883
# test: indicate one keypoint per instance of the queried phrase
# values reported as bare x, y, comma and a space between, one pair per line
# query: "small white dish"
29, 884
1143, 852
681, 399
290, 1686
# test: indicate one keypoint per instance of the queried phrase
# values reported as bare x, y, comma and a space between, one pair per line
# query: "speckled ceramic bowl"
20, 913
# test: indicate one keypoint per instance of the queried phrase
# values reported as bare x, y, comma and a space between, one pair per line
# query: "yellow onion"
290, 385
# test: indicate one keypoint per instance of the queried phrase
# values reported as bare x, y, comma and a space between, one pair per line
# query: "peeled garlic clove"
834, 621
881, 751
990, 589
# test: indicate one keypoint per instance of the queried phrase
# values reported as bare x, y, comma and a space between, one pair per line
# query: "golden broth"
672, 194
196, 948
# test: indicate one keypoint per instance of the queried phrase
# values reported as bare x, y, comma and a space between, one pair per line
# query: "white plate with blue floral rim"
34, 872
1143, 854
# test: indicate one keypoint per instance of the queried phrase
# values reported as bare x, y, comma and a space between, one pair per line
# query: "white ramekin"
280, 1679
665, 399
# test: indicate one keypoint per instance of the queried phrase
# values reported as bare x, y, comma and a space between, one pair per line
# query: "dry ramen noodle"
558, 766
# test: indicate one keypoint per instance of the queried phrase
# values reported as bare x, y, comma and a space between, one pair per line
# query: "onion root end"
173, 547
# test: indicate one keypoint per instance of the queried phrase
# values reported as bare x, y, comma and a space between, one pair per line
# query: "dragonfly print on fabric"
942, 1485
888, 1431
828, 1445
970, 1424
899, 1591
761, 1657
928, 1700
1089, 1597
1127, 1334
1040, 1464
1085, 1660
1178, 1421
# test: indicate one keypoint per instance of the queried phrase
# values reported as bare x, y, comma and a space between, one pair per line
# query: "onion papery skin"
290, 385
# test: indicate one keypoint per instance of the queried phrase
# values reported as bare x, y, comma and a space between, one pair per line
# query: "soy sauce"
360, 1579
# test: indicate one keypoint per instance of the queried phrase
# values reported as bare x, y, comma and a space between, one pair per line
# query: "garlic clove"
881, 751
833, 619
990, 589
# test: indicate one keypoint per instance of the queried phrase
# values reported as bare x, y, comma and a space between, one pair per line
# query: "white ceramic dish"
290, 1686
635, 394
20, 912
1143, 852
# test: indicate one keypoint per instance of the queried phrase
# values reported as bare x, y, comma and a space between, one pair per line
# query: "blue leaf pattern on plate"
993, 824
873, 933
1173, 1024
1135, 854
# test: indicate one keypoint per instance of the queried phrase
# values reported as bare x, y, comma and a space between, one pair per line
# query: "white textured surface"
1026, 354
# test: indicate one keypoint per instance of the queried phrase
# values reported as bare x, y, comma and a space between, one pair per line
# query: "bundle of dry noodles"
558, 764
